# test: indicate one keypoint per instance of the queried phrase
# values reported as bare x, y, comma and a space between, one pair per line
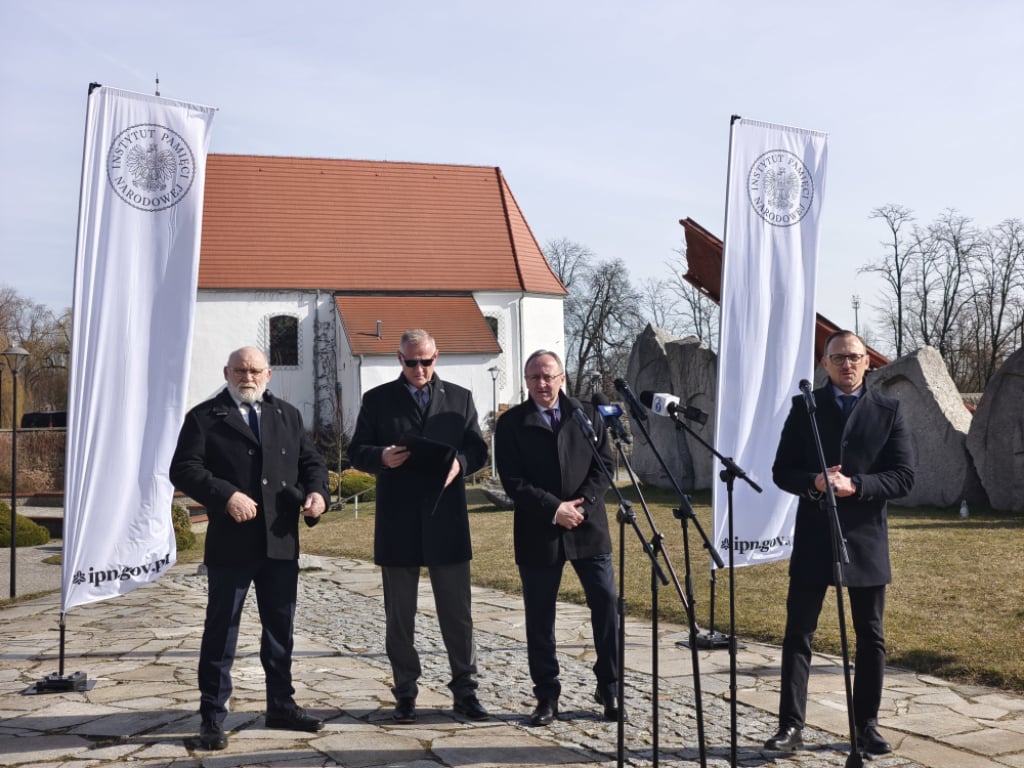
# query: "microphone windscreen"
599, 398
646, 398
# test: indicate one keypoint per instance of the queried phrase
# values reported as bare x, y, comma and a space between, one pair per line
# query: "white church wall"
227, 320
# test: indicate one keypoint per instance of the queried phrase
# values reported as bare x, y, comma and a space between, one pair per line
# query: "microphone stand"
625, 515
840, 556
683, 514
728, 475
657, 545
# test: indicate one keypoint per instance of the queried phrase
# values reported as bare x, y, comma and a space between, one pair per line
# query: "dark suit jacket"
876, 448
217, 455
540, 469
414, 526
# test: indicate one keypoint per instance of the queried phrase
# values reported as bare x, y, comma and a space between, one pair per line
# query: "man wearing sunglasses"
420, 436
870, 459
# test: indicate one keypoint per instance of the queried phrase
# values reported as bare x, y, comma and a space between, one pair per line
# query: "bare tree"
602, 314
679, 307
696, 313
46, 338
993, 321
894, 266
955, 287
569, 260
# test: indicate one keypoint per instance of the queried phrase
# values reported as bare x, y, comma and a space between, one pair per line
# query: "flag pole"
77, 681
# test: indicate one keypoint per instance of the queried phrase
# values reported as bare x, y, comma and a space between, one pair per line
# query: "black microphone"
805, 387
637, 410
611, 413
581, 419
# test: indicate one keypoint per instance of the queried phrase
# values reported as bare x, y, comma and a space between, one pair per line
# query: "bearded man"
245, 456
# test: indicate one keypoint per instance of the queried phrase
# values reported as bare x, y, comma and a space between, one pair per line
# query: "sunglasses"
413, 363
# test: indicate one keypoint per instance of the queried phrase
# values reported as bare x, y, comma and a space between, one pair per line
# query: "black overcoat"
875, 447
412, 525
217, 455
539, 469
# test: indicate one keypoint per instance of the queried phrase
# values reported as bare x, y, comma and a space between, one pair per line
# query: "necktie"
552, 415
847, 402
423, 398
254, 420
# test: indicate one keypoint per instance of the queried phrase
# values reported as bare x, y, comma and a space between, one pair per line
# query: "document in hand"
431, 461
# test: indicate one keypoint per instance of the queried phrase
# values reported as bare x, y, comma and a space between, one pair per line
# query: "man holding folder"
420, 436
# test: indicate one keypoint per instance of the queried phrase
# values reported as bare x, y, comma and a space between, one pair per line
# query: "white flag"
776, 185
136, 266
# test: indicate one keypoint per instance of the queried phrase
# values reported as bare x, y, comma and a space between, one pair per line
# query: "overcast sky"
610, 120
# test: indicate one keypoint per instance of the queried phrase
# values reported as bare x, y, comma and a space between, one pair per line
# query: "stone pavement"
140, 652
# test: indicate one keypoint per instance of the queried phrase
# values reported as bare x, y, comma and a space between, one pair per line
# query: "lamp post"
856, 318
15, 359
493, 370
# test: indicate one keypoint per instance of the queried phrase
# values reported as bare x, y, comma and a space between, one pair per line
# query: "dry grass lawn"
955, 607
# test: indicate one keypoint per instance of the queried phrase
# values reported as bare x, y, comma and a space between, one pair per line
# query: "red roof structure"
278, 223
374, 324
704, 271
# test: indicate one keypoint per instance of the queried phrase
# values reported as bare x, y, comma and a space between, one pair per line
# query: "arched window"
493, 323
284, 340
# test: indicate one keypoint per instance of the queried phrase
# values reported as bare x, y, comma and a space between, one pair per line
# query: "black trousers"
540, 593
453, 601
803, 606
276, 583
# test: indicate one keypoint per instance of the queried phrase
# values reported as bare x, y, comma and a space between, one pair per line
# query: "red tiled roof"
704, 271
360, 225
455, 322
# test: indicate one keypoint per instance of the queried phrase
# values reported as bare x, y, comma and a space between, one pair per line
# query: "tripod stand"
684, 514
728, 476
625, 515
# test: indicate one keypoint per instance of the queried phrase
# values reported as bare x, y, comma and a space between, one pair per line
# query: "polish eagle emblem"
151, 167
781, 187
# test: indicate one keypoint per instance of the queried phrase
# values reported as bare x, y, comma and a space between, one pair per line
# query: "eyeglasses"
853, 358
426, 362
545, 377
243, 372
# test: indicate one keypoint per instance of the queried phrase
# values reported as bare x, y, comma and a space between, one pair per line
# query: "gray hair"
416, 336
543, 353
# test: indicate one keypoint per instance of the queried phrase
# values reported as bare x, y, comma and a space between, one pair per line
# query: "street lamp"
15, 359
493, 370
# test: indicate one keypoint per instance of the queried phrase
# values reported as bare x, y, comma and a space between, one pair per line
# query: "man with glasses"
420, 436
557, 488
245, 456
869, 458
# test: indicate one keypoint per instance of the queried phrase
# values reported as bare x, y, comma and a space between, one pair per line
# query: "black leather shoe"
611, 705
870, 740
294, 719
212, 736
405, 710
470, 706
545, 713
786, 740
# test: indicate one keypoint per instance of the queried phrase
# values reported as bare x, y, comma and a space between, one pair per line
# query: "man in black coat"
557, 488
870, 459
420, 436
255, 474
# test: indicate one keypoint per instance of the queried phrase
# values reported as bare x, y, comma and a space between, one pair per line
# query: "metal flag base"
708, 639
55, 683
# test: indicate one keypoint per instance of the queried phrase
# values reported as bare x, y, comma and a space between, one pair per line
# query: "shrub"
333, 481
29, 534
353, 481
184, 538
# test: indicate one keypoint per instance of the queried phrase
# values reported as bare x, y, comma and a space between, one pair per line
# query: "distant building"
323, 263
